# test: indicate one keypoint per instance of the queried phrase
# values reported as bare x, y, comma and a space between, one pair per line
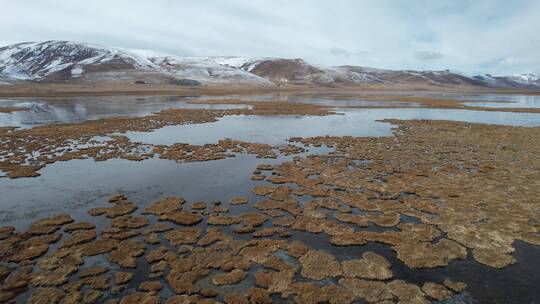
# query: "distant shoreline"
70, 90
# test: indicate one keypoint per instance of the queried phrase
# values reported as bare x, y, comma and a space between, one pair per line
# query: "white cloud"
470, 36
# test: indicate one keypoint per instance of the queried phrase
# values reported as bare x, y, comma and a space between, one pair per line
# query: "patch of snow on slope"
15, 73
235, 62
245, 63
77, 71
525, 78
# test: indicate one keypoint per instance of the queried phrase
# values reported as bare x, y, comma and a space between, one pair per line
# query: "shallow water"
74, 109
78, 185
490, 100
507, 101
318, 99
67, 110
357, 122
344, 100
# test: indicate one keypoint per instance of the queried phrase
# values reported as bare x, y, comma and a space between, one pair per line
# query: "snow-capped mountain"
65, 61
510, 81
57, 61
527, 79
297, 71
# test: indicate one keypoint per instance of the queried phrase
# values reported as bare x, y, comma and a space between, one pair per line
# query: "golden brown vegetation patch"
432, 193
12, 109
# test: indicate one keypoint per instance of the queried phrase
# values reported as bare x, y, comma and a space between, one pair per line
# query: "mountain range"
74, 62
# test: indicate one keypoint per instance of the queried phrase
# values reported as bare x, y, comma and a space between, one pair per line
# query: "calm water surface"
357, 122
67, 110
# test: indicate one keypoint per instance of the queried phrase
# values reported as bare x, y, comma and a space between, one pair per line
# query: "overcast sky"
480, 36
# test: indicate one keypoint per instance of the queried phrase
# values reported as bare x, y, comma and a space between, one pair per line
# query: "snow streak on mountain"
65, 61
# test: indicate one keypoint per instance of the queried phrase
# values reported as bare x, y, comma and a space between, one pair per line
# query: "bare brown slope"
285, 70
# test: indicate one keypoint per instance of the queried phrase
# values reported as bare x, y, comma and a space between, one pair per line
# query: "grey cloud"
383, 34
340, 52
428, 55
346, 53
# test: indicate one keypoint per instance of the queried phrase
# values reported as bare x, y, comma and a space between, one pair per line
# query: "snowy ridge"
526, 78
35, 60
245, 63
65, 61
511, 81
